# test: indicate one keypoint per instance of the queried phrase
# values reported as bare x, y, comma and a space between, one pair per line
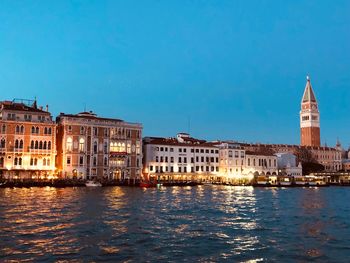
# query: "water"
204, 223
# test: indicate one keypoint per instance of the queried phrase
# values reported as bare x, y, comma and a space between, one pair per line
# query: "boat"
316, 180
285, 181
149, 184
300, 180
93, 184
262, 181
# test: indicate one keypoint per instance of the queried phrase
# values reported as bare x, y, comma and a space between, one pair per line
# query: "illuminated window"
81, 144
69, 144
138, 147
128, 148
95, 147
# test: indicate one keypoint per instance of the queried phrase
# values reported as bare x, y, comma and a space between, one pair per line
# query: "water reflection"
206, 223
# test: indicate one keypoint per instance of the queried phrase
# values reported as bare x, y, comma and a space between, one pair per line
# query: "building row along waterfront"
82, 146
186, 158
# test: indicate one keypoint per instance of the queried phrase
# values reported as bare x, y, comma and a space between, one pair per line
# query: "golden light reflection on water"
205, 223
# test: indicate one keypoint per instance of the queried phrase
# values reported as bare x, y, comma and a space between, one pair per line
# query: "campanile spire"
309, 117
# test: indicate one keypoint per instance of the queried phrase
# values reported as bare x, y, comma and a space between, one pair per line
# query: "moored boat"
93, 184
285, 181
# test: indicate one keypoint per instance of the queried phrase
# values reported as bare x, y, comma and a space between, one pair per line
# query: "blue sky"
235, 69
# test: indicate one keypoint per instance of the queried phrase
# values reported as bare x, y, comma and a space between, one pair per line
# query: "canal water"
202, 223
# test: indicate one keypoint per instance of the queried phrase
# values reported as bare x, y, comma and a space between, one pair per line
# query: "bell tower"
309, 118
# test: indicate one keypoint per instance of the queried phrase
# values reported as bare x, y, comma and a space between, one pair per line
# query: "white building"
287, 164
238, 165
180, 158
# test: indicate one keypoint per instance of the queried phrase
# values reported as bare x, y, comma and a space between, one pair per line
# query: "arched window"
40, 145
16, 144
48, 162
33, 129
95, 161
45, 145
19, 161
21, 144
49, 145
44, 162
123, 147
45, 130
119, 147
22, 129
69, 144
17, 129
36, 145
1, 161
16, 161
35, 161
37, 130
32, 145
49, 131
81, 144
31, 161
3, 128
105, 161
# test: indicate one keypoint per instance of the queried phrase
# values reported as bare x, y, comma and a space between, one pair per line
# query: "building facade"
287, 164
309, 118
238, 165
27, 141
91, 147
180, 158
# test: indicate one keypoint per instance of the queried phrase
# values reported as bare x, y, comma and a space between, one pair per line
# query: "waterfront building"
92, 147
329, 157
27, 140
309, 118
287, 164
238, 165
180, 158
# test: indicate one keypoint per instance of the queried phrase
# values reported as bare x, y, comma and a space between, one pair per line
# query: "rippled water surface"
204, 223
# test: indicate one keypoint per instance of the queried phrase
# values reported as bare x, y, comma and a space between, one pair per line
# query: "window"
68, 160
95, 147
105, 161
81, 160
15, 161
37, 130
95, 131
44, 162
171, 149
32, 145
82, 130
21, 144
138, 147
1, 161
45, 145
69, 144
48, 162
3, 128
128, 149
305, 118
94, 161
105, 147
19, 161
49, 145
35, 161
179, 159
69, 128
106, 132
36, 145
81, 144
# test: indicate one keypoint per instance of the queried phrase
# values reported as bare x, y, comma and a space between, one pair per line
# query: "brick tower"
309, 118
